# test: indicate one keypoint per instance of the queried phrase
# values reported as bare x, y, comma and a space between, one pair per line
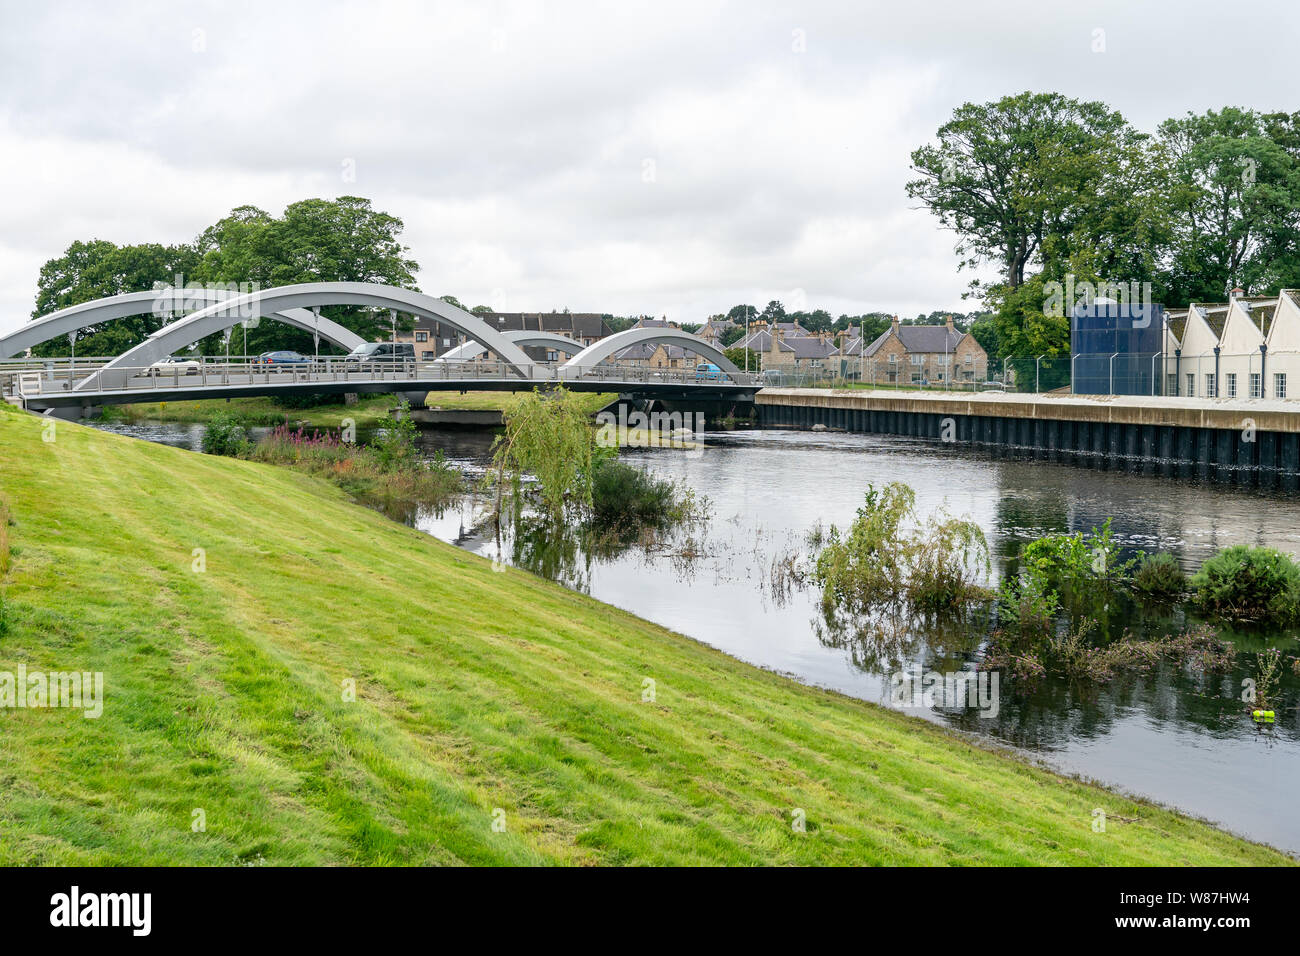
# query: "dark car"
382, 352
282, 358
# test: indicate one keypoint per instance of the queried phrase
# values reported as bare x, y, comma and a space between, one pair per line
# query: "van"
707, 372
382, 352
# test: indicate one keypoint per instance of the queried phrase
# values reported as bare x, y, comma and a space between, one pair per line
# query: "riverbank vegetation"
318, 411
324, 686
387, 472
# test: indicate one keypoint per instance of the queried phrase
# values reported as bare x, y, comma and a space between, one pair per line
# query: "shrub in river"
223, 435
1159, 576
1250, 585
623, 495
1027, 606
1075, 565
1268, 675
394, 444
877, 561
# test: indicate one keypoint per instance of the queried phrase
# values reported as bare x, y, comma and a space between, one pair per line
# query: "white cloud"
513, 138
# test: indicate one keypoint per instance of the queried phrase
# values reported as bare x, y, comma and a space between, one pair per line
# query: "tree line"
1038, 186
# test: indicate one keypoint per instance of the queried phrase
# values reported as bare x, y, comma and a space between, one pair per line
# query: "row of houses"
432, 338
1247, 347
905, 354
902, 355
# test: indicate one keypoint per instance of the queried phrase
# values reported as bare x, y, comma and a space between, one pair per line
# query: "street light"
72, 369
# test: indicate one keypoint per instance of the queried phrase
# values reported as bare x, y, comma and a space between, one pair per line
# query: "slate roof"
931, 339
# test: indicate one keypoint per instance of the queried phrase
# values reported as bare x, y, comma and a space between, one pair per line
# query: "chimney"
777, 336
948, 323
893, 325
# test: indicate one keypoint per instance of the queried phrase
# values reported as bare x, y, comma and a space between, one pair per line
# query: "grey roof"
932, 339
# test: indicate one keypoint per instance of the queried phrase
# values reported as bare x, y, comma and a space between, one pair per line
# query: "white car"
173, 365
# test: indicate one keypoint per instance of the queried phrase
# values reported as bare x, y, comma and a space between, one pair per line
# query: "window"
426, 356
893, 356
1211, 386
1254, 385
1191, 384
1279, 384
446, 343
1171, 387
1232, 384
970, 358
421, 336
917, 359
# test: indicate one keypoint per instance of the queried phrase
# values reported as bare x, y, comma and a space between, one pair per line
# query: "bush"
1159, 576
936, 567
308, 400
624, 495
1251, 585
223, 435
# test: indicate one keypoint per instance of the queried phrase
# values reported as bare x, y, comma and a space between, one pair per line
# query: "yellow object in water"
1266, 716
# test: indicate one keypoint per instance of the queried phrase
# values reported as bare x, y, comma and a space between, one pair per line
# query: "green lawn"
369, 410
475, 691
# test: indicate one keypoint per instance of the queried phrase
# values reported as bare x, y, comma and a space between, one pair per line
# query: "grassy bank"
475, 692
369, 410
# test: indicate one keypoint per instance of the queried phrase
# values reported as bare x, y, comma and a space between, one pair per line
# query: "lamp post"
72, 369
315, 334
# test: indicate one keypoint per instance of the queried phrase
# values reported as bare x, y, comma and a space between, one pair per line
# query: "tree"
740, 355
742, 313
317, 240
94, 269
773, 312
1016, 178
1235, 195
732, 335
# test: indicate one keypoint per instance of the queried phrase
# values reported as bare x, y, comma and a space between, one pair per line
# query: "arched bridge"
490, 359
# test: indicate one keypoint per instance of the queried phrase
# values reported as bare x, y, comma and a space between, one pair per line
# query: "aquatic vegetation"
1159, 576
223, 435
887, 557
1249, 585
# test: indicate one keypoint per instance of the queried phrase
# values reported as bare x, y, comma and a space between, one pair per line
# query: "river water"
1167, 734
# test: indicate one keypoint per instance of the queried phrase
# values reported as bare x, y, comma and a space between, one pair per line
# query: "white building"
1247, 347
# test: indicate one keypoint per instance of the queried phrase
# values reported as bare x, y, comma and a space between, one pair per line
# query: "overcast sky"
666, 158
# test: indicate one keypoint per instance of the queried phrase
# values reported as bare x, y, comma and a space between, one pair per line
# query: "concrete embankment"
1236, 441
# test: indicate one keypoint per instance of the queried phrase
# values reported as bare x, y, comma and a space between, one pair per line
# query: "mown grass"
475, 691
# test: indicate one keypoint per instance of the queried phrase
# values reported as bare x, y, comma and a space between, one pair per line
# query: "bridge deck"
61, 385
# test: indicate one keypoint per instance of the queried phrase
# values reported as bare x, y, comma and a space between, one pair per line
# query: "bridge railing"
48, 377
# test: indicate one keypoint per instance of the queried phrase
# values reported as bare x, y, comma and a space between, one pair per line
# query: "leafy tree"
742, 313
1016, 178
774, 312
738, 357
731, 335
94, 269
1235, 194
